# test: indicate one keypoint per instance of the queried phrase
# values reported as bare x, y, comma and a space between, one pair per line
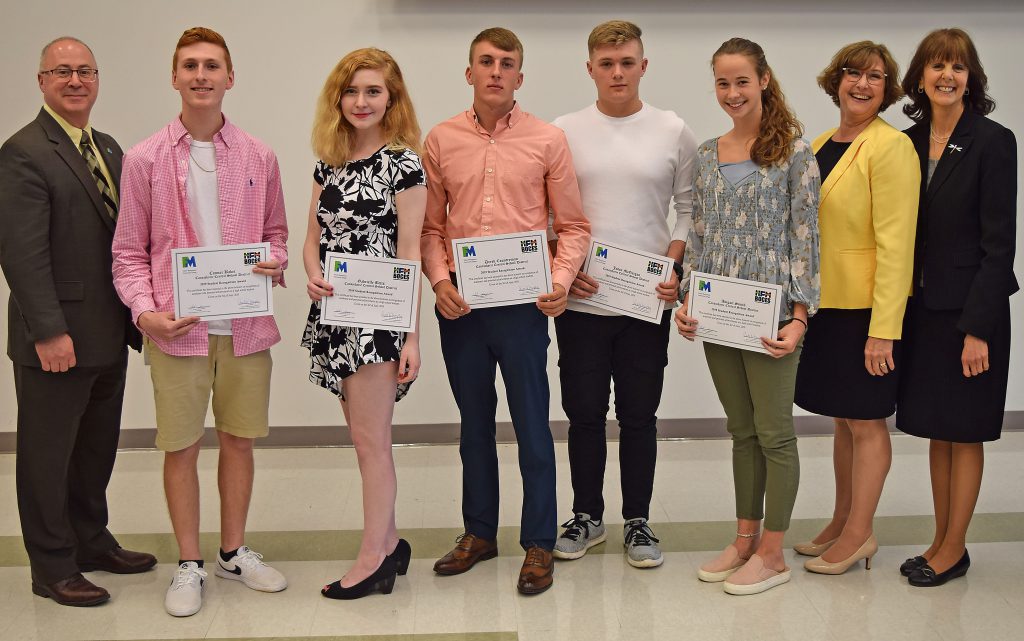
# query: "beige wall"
283, 50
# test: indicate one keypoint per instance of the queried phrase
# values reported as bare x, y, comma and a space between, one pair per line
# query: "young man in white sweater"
632, 161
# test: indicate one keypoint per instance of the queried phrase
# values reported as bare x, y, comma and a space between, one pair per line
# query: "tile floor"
306, 516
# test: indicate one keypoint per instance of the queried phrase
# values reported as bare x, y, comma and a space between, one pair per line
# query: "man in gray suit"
67, 329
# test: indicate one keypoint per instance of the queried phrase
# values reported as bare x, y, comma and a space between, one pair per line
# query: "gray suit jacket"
55, 237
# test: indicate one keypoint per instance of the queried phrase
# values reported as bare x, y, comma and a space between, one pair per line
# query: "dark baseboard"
448, 433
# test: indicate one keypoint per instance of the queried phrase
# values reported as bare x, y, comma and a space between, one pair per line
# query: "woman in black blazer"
957, 330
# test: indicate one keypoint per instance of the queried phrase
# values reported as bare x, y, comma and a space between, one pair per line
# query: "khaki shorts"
182, 386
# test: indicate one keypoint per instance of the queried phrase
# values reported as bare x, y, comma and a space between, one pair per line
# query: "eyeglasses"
85, 74
874, 76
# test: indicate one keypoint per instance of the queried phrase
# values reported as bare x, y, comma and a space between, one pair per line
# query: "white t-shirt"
630, 170
204, 207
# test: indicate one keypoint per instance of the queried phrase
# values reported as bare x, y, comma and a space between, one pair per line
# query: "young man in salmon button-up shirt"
495, 169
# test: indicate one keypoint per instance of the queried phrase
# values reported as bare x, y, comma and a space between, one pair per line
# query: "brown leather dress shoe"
537, 572
469, 550
119, 561
75, 590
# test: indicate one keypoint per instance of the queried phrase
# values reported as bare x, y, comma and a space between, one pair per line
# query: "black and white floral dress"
357, 216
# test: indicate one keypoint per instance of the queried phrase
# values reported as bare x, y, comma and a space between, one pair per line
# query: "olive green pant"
756, 391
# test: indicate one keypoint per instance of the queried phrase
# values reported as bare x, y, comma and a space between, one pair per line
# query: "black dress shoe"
401, 555
907, 567
75, 590
119, 561
926, 577
382, 580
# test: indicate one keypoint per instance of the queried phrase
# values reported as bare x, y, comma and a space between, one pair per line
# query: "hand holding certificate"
733, 311
507, 269
627, 280
371, 292
218, 283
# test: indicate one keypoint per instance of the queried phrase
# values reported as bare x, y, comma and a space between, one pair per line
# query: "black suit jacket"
966, 226
55, 236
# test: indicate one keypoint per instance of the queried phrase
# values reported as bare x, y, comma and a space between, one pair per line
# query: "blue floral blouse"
764, 228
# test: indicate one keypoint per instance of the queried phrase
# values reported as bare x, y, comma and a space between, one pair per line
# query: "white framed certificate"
734, 311
626, 279
371, 292
217, 283
507, 269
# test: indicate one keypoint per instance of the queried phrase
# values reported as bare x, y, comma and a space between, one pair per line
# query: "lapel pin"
955, 147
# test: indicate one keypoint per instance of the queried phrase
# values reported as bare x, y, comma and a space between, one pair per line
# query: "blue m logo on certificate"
733, 311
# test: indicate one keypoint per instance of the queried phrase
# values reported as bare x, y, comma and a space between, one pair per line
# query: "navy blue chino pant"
514, 338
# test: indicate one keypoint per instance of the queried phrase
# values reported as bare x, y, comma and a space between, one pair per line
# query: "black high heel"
382, 580
401, 556
907, 567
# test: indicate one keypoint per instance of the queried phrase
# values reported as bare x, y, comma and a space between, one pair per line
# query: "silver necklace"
201, 168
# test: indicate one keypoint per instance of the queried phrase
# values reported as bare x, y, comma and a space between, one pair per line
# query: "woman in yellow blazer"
867, 218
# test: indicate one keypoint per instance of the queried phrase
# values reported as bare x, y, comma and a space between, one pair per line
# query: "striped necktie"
101, 181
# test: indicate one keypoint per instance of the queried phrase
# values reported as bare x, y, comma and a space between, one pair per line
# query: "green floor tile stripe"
432, 543
454, 636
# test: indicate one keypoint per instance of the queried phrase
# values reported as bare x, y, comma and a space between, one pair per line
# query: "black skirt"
832, 380
936, 400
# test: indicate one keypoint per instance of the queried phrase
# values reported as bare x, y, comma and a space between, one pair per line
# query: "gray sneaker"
580, 535
641, 545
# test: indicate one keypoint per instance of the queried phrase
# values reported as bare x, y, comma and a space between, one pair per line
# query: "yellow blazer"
867, 218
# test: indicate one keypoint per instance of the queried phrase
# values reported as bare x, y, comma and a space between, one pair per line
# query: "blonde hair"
501, 38
614, 32
201, 34
779, 127
333, 135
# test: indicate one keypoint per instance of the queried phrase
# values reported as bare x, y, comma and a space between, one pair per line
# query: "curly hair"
333, 135
779, 126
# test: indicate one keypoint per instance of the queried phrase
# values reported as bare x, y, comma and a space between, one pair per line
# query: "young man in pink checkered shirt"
202, 181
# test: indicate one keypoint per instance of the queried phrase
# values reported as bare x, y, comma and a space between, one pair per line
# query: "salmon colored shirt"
483, 184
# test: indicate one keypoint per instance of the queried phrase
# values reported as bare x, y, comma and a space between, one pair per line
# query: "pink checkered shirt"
154, 219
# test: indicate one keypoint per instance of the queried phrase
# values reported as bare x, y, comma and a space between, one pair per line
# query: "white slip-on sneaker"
754, 578
722, 566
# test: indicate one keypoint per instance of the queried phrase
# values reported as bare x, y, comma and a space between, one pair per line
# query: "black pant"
68, 425
594, 351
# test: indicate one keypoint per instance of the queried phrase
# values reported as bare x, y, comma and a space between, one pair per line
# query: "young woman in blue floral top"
755, 213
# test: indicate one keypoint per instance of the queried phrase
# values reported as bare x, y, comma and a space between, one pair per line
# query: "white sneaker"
248, 567
185, 594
